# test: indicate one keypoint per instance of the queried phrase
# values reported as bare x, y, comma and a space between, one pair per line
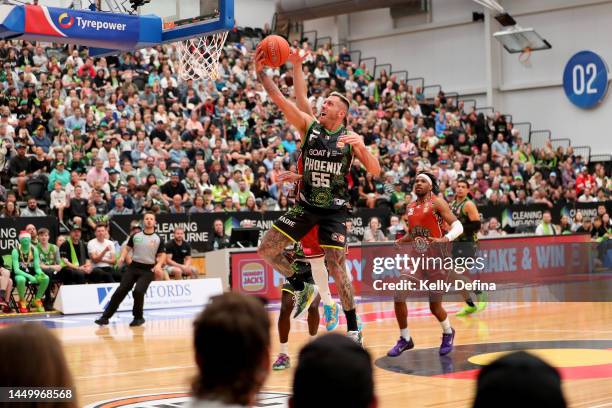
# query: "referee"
148, 256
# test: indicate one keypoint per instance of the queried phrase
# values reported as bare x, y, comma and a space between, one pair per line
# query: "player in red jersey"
425, 216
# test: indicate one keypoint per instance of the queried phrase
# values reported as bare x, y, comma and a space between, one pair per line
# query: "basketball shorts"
303, 269
296, 223
310, 244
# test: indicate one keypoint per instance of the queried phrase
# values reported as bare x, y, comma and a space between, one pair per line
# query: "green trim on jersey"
458, 209
305, 136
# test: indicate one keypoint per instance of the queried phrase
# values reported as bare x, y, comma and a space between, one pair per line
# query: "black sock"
470, 302
296, 281
2, 295
351, 320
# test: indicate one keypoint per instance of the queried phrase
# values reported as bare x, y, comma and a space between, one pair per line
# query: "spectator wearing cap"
107, 150
334, 359
41, 139
174, 187
59, 173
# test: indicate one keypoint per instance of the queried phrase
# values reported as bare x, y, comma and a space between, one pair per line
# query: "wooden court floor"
118, 361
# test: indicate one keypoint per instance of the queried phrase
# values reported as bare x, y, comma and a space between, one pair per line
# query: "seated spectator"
177, 205
519, 379
102, 254
10, 210
218, 239
491, 229
178, 257
334, 359
6, 290
372, 232
59, 200
234, 327
78, 204
174, 187
396, 229
25, 263
351, 238
119, 208
34, 357
546, 227
18, 169
32, 209
565, 227
73, 253
50, 263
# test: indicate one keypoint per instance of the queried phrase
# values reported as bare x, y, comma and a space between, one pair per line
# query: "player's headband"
426, 178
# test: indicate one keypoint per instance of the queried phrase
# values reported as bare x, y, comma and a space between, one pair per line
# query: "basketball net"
525, 57
199, 56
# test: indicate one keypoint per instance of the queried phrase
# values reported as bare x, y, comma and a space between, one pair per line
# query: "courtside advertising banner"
252, 275
93, 298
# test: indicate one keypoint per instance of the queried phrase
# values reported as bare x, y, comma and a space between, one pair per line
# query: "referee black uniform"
145, 248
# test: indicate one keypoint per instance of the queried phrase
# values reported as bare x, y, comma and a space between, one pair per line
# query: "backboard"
184, 19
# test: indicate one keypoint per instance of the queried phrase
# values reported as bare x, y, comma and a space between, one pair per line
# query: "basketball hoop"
199, 56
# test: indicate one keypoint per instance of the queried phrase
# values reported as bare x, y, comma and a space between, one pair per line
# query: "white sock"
446, 326
321, 278
405, 333
284, 348
312, 337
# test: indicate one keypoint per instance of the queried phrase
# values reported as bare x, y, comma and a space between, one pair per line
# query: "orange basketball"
276, 50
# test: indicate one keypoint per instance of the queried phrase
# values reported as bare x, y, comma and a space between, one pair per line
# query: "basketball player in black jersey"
465, 246
327, 152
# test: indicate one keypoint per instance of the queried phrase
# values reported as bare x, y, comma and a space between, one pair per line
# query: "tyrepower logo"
85, 23
65, 21
253, 276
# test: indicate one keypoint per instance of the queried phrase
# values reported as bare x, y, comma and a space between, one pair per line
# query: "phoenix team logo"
62, 20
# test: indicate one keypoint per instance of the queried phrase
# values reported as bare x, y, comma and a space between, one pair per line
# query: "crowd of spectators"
98, 137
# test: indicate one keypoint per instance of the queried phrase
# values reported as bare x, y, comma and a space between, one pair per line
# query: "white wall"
451, 51
325, 27
254, 13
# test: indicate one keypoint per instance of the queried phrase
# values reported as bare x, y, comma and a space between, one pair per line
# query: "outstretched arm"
299, 83
295, 116
361, 152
